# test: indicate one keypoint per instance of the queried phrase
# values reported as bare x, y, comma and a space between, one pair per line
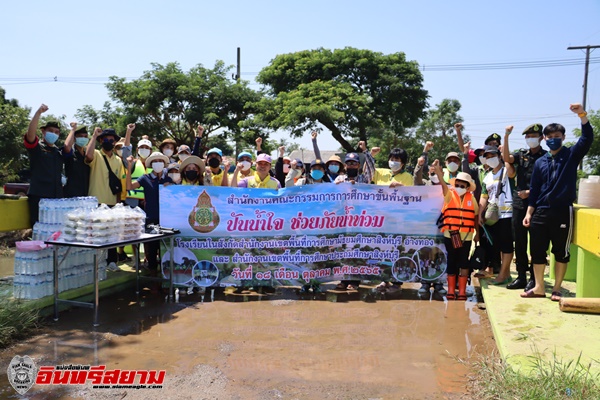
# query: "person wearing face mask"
167, 147
459, 224
452, 166
46, 163
151, 182
214, 158
244, 162
333, 166
317, 174
523, 162
100, 161
552, 193
497, 189
260, 179
352, 167
296, 173
192, 172
76, 170
183, 152
135, 197
282, 166
396, 174
173, 173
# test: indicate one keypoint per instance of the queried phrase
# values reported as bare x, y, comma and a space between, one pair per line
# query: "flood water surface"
284, 348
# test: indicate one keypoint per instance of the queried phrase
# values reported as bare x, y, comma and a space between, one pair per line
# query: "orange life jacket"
459, 216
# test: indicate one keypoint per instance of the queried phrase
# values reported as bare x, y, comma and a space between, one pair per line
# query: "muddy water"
7, 265
269, 349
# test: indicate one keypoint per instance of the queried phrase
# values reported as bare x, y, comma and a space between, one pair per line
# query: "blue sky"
73, 39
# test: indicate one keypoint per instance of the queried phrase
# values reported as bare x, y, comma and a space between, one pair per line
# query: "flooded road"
274, 349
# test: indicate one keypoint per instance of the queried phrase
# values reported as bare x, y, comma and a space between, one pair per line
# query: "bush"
17, 319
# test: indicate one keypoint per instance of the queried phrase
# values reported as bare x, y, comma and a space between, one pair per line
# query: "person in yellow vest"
452, 166
460, 221
261, 179
245, 170
396, 175
192, 172
214, 159
135, 197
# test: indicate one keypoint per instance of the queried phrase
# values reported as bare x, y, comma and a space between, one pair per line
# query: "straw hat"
156, 156
192, 160
463, 176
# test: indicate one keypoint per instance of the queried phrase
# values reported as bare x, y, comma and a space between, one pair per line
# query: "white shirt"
505, 200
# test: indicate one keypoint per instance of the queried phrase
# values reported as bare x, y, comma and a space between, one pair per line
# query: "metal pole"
96, 288
55, 262
239, 65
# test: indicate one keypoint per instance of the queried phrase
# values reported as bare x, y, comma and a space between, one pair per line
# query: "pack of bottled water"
34, 271
53, 214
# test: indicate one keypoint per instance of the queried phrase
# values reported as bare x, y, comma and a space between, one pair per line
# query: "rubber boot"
451, 287
462, 287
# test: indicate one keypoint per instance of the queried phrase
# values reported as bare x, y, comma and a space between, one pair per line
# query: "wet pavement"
274, 349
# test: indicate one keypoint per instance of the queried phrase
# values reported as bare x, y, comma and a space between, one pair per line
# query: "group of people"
492, 197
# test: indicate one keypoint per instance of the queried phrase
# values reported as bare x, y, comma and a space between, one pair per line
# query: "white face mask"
461, 191
395, 165
532, 142
119, 152
175, 176
453, 167
246, 165
183, 156
168, 152
493, 162
434, 179
144, 153
157, 167
482, 160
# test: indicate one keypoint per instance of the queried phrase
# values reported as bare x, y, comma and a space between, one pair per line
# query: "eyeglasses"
458, 185
109, 140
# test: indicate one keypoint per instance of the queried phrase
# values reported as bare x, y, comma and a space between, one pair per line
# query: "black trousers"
34, 208
521, 235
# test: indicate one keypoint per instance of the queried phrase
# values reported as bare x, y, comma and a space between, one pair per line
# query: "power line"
508, 65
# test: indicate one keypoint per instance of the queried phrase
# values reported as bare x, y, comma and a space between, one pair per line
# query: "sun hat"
156, 156
463, 176
192, 160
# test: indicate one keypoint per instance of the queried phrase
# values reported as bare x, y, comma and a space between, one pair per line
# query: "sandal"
530, 294
483, 275
556, 296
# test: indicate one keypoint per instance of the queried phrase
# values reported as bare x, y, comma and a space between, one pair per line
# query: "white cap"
144, 142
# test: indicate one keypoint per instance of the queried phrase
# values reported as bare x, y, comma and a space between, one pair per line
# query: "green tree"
169, 102
351, 92
436, 126
592, 160
14, 120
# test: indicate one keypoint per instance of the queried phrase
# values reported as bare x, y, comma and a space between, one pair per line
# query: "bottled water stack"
53, 214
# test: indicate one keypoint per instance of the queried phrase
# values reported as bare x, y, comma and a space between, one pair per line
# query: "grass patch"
494, 379
17, 320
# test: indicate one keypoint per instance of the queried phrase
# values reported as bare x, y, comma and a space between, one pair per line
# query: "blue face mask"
51, 137
317, 174
81, 141
334, 168
554, 143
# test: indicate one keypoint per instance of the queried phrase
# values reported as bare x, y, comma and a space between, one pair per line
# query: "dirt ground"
275, 349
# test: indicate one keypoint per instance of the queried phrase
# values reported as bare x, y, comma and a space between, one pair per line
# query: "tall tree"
351, 92
592, 159
169, 102
14, 120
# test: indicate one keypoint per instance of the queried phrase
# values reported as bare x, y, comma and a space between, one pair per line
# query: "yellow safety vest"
139, 170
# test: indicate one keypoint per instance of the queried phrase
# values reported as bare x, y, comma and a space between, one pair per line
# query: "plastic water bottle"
177, 295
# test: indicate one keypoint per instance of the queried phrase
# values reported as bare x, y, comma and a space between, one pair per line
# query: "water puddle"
270, 349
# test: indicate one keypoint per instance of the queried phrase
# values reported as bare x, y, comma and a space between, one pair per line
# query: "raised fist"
508, 130
576, 108
467, 147
43, 108
362, 145
314, 134
458, 126
258, 141
200, 131
293, 164
421, 161
73, 125
375, 151
97, 131
428, 146
130, 127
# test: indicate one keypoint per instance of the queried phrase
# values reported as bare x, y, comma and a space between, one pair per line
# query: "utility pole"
585, 77
587, 65
238, 74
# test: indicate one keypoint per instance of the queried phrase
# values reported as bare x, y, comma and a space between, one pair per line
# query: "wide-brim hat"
452, 154
463, 176
156, 156
109, 132
167, 141
192, 160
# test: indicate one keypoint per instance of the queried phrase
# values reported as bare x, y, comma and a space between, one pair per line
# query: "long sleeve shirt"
554, 178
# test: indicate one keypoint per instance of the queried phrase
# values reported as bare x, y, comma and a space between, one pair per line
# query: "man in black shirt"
76, 170
45, 161
523, 161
